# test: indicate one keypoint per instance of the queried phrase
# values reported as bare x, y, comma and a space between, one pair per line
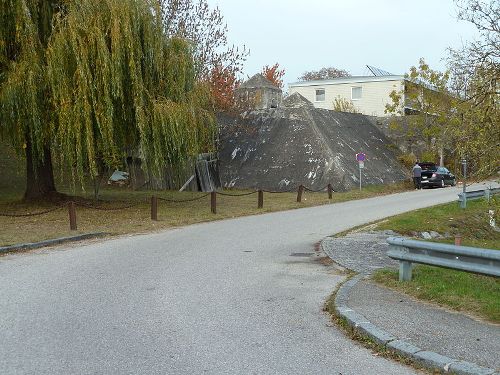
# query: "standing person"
417, 176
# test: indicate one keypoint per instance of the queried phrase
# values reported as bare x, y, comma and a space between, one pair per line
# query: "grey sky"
309, 34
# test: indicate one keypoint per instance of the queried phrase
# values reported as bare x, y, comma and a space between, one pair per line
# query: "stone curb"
431, 360
56, 241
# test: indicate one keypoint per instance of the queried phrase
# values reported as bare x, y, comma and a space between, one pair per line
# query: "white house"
368, 94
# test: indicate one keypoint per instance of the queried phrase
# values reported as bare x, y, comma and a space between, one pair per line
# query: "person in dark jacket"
417, 176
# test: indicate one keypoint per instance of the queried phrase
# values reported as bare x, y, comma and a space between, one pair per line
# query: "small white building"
368, 94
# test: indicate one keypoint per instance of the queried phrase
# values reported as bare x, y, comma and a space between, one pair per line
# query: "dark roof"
258, 81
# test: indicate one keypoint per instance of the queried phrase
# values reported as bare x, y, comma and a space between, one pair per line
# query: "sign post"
360, 157
463, 203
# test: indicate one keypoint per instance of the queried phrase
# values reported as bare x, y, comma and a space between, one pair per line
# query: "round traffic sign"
361, 156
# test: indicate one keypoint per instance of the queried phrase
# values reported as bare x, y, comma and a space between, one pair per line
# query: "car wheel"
442, 183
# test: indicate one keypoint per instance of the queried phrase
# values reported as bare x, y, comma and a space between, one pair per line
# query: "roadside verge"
55, 241
393, 343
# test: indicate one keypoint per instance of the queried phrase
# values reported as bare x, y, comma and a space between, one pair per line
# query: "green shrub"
408, 160
430, 156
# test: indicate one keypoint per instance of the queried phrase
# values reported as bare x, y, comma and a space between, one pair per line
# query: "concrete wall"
374, 97
258, 98
279, 149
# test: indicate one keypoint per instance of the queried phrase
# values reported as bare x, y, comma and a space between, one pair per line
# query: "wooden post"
330, 191
299, 193
72, 215
154, 208
213, 202
260, 201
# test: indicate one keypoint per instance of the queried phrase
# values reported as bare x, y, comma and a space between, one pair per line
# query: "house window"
356, 93
320, 95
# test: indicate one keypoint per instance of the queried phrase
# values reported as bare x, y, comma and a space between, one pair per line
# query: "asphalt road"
224, 297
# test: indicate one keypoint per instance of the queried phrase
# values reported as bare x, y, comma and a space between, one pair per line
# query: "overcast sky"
306, 35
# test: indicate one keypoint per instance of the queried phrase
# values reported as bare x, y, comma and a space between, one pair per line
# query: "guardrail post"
330, 191
404, 270
463, 200
213, 202
299, 193
154, 208
487, 195
458, 240
72, 215
260, 200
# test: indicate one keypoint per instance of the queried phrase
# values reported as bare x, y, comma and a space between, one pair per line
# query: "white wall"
375, 94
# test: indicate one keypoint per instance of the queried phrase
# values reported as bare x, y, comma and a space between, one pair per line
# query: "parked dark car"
433, 175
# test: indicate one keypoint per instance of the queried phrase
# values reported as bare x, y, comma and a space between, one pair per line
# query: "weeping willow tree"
110, 81
119, 82
25, 101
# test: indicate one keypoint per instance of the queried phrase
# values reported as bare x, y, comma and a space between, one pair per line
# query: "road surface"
226, 297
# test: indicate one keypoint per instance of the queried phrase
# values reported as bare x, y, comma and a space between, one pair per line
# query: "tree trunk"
39, 176
441, 156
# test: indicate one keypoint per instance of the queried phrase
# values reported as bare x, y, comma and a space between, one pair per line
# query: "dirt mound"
282, 148
297, 101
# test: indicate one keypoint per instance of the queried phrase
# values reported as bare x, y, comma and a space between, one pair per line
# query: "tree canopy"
104, 79
26, 109
274, 74
119, 82
223, 83
475, 77
428, 106
324, 73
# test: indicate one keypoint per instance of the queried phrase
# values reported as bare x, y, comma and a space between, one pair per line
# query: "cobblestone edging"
56, 241
431, 360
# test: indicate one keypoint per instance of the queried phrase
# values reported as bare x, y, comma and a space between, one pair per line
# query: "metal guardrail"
487, 193
470, 259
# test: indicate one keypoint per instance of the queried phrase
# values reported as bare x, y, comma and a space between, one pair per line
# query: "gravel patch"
361, 252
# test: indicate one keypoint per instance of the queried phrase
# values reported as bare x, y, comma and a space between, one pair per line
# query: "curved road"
223, 297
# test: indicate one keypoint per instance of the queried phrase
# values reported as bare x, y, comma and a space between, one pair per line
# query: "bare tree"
206, 29
479, 56
324, 73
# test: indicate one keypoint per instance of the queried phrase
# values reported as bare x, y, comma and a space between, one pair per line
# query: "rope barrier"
237, 195
6, 214
183, 200
80, 204
315, 191
278, 192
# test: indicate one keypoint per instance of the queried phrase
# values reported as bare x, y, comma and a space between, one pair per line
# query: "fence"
154, 203
470, 259
476, 194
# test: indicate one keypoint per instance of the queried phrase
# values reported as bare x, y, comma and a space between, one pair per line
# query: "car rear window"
428, 166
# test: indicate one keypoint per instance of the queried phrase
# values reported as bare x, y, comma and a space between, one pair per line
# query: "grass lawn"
471, 223
137, 219
461, 291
